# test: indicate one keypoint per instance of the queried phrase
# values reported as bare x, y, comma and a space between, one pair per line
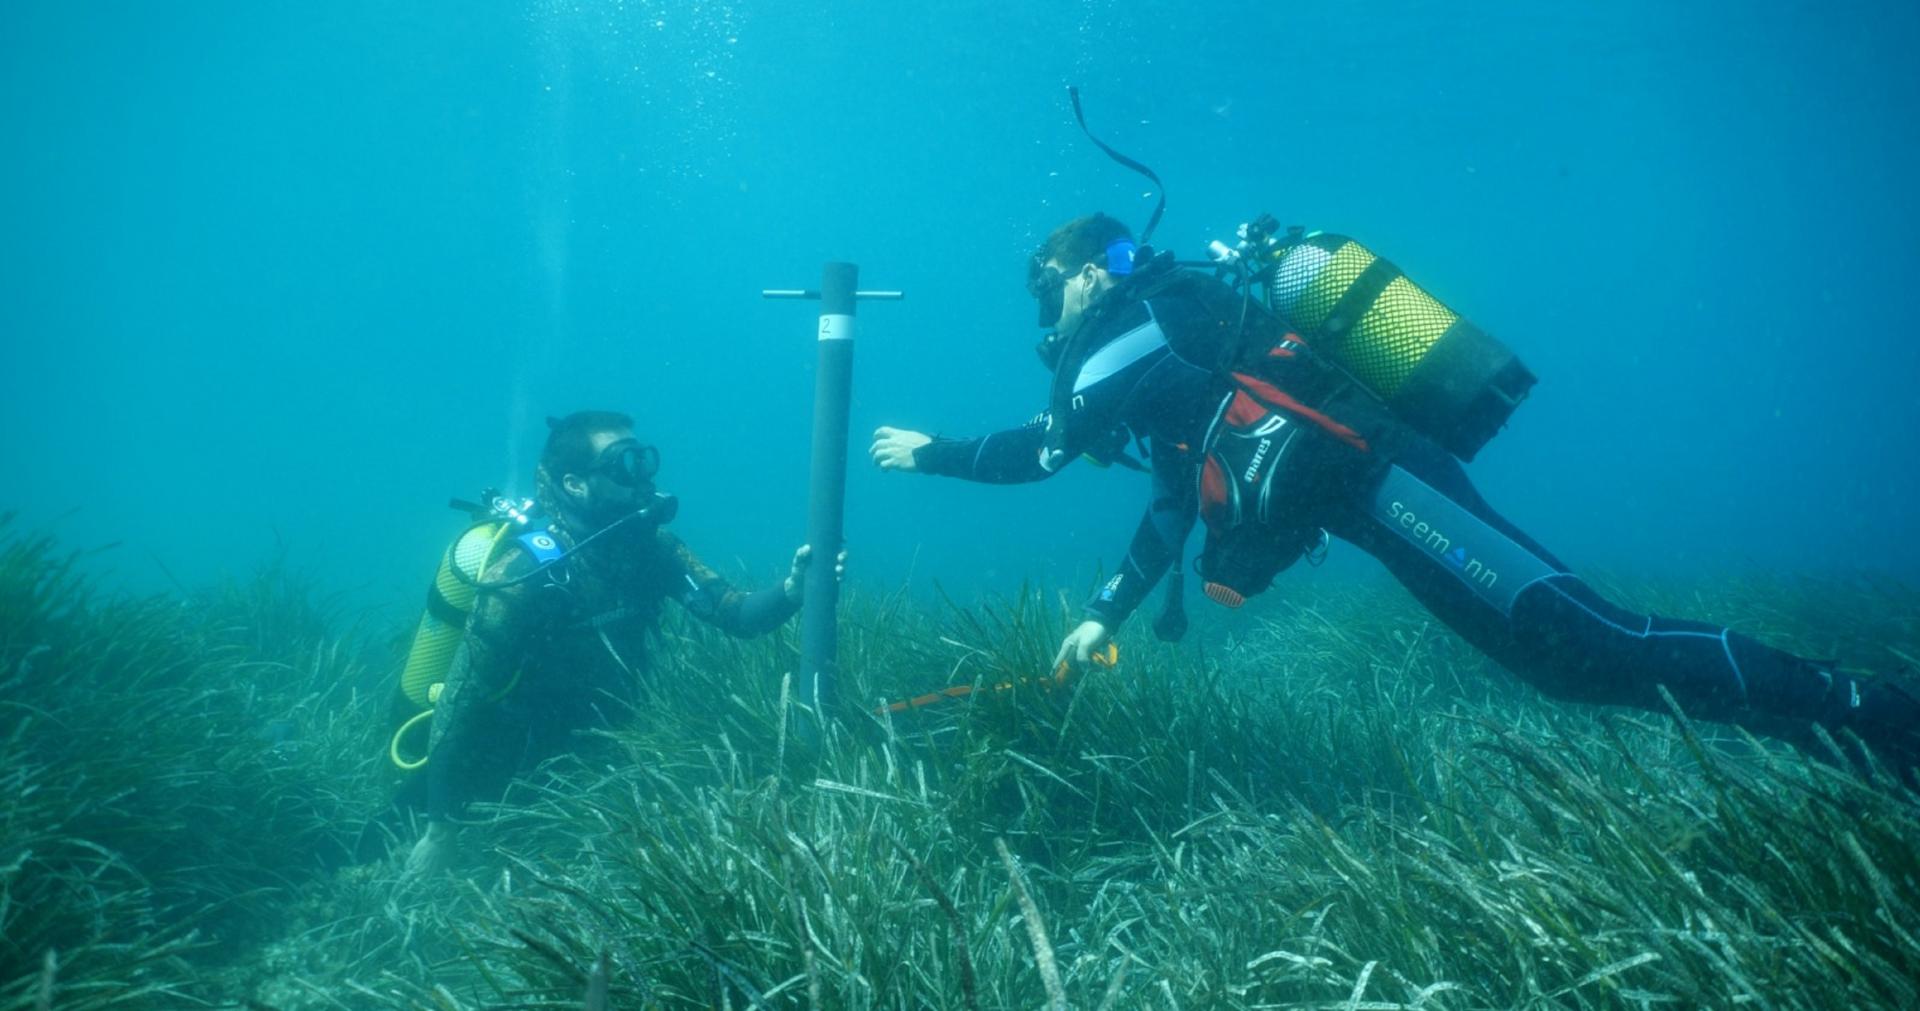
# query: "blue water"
285, 277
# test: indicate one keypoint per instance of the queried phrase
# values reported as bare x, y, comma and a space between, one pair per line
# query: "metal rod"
883, 296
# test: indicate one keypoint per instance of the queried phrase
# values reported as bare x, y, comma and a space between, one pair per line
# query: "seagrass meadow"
1342, 807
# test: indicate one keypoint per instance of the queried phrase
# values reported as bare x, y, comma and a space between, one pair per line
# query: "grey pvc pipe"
827, 495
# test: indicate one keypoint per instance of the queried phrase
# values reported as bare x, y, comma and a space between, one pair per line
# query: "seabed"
1337, 806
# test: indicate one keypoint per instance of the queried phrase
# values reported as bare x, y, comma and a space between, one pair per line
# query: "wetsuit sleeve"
708, 596
1157, 542
1015, 456
1084, 417
501, 631
1009, 457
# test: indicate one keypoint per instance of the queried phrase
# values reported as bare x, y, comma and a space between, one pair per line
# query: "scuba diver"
1255, 430
561, 615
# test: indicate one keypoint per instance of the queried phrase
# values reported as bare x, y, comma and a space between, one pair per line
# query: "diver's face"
620, 479
1078, 290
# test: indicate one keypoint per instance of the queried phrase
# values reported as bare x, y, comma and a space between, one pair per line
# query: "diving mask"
628, 462
1048, 285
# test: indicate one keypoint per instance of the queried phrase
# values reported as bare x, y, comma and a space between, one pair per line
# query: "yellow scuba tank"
1441, 374
449, 602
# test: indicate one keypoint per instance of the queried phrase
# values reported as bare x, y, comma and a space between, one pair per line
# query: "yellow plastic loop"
393, 749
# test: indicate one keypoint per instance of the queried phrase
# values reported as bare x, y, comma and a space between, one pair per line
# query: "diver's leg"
482, 753
1503, 592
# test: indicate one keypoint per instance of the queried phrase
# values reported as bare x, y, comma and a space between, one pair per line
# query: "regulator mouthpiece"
1050, 348
661, 510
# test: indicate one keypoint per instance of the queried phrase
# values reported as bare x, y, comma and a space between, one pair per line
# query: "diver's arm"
708, 596
1007, 457
1157, 542
1020, 455
1094, 410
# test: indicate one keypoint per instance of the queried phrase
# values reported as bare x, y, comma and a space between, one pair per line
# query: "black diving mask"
628, 462
1048, 286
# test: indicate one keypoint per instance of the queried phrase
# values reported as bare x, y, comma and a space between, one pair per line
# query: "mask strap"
1146, 234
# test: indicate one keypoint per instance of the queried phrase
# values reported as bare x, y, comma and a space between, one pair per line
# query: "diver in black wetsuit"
561, 633
1273, 451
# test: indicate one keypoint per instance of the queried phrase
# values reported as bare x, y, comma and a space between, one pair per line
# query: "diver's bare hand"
1082, 643
430, 855
893, 448
796, 583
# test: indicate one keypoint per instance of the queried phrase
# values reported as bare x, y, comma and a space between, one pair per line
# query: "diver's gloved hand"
893, 448
1081, 643
431, 853
796, 583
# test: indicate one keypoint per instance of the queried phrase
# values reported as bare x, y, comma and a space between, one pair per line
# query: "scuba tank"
450, 599
1439, 373
497, 522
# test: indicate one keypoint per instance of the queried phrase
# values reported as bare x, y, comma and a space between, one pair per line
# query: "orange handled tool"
1104, 658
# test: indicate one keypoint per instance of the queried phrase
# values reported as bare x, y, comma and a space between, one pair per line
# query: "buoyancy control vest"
1290, 436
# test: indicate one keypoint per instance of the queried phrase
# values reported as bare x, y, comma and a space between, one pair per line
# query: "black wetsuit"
566, 650
1341, 463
